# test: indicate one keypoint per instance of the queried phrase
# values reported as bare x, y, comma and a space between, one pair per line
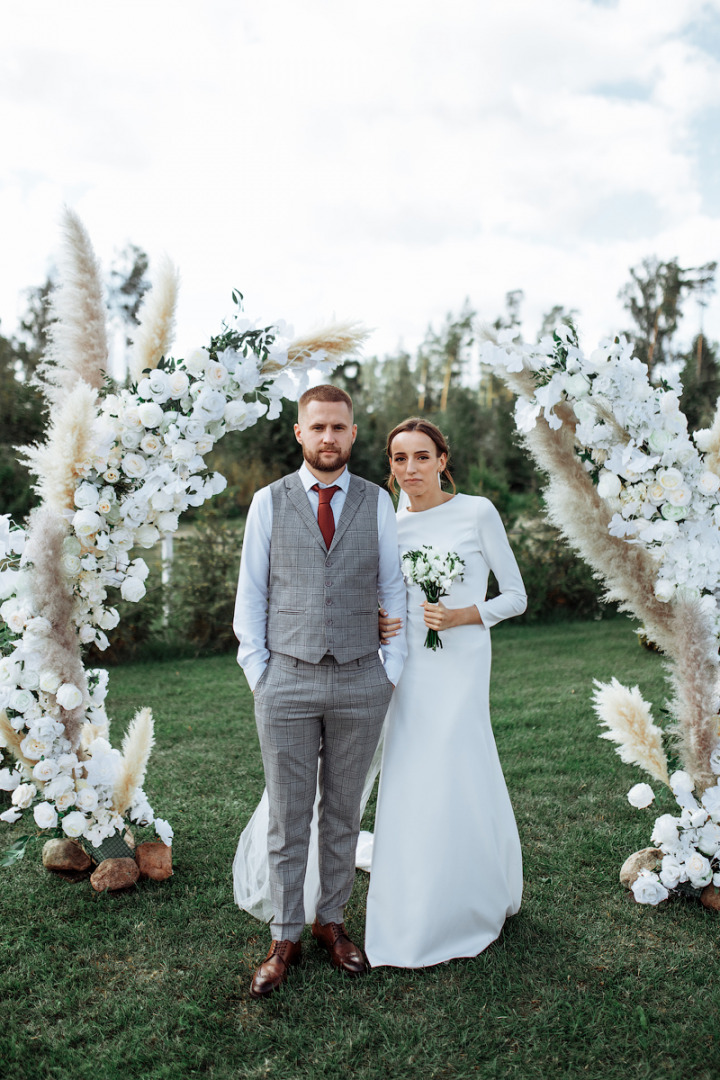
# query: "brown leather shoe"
343, 953
273, 971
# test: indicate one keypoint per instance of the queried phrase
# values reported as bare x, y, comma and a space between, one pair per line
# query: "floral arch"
116, 471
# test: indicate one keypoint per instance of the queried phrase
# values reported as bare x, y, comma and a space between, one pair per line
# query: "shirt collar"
308, 479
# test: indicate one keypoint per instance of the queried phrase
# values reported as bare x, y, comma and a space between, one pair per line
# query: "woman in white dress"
446, 863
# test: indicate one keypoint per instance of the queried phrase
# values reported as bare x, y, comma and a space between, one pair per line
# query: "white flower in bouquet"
9, 779
150, 413
35, 746
164, 831
196, 361
69, 696
134, 466
209, 405
86, 633
162, 500
11, 816
672, 872
23, 796
432, 570
640, 796
22, 700
167, 521
648, 889
609, 485
178, 384
664, 590
216, 374
86, 798
73, 824
106, 619
111, 476
45, 815
63, 784
131, 438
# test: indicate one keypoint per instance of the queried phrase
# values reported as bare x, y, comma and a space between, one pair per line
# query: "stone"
710, 897
154, 860
648, 858
114, 874
65, 856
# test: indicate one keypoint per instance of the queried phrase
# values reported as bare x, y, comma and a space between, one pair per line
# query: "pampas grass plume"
136, 747
155, 333
11, 739
57, 463
336, 340
78, 338
627, 716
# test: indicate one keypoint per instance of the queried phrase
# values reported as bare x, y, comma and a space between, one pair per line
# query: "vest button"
328, 622
328, 584
328, 603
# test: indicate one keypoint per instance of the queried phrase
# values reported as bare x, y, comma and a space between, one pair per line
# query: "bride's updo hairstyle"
425, 427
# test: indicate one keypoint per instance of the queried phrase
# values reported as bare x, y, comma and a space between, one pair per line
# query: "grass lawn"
582, 983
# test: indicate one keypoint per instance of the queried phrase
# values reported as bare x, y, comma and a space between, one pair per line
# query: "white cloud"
381, 160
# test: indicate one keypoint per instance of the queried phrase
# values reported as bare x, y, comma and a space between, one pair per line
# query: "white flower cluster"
633, 438
690, 842
434, 571
145, 467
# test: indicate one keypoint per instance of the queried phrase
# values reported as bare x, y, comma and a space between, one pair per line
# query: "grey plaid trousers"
305, 712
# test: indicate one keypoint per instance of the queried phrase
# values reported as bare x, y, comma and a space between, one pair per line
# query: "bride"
446, 866
446, 863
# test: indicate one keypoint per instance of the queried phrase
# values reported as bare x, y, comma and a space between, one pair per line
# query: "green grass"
582, 983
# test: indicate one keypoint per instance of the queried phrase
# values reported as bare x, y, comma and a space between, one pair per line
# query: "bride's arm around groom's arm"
391, 587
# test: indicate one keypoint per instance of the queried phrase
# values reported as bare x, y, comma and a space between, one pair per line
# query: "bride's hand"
438, 617
387, 627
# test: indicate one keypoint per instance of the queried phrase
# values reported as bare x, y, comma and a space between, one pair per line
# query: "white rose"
216, 374
45, 770
86, 633
708, 840
71, 545
680, 496
673, 513
681, 781
86, 497
61, 785
708, 483
150, 444
131, 438
660, 439
65, 799
45, 815
86, 522
132, 589
698, 869
150, 414
159, 385
178, 384
711, 802
670, 478
87, 799
146, 536
108, 619
104, 507
648, 889
671, 872
196, 361
167, 522
73, 824
134, 465
209, 405
111, 475
122, 538
183, 450
204, 444
23, 795
655, 493
640, 796
22, 700
164, 831
34, 747
11, 815
609, 485
69, 696
665, 831
8, 780
138, 568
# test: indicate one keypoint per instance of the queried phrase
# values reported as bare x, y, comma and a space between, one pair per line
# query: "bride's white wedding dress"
446, 862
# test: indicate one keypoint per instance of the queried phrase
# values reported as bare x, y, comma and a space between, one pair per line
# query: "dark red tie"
326, 521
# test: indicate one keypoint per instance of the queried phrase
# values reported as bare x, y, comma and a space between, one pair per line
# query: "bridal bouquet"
434, 572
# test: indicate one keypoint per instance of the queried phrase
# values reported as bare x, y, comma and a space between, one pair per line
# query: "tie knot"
325, 494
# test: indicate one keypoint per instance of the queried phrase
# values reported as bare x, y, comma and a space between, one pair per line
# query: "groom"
319, 554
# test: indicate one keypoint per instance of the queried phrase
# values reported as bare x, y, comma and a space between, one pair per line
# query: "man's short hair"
325, 392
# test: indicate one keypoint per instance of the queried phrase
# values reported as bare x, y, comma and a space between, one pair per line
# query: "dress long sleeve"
496, 550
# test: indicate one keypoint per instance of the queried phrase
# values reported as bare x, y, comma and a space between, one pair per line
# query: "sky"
380, 161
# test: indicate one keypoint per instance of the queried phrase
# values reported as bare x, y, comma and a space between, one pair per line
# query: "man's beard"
323, 464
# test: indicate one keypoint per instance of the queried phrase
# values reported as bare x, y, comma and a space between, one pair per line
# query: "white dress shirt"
250, 620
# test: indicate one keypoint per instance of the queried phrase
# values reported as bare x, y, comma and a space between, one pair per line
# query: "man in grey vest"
319, 553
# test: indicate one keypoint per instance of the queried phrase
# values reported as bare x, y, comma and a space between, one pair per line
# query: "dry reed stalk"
136, 748
629, 721
155, 333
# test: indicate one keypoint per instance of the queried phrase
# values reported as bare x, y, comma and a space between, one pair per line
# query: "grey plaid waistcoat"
323, 601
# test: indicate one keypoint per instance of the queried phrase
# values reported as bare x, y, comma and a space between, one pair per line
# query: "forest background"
190, 611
